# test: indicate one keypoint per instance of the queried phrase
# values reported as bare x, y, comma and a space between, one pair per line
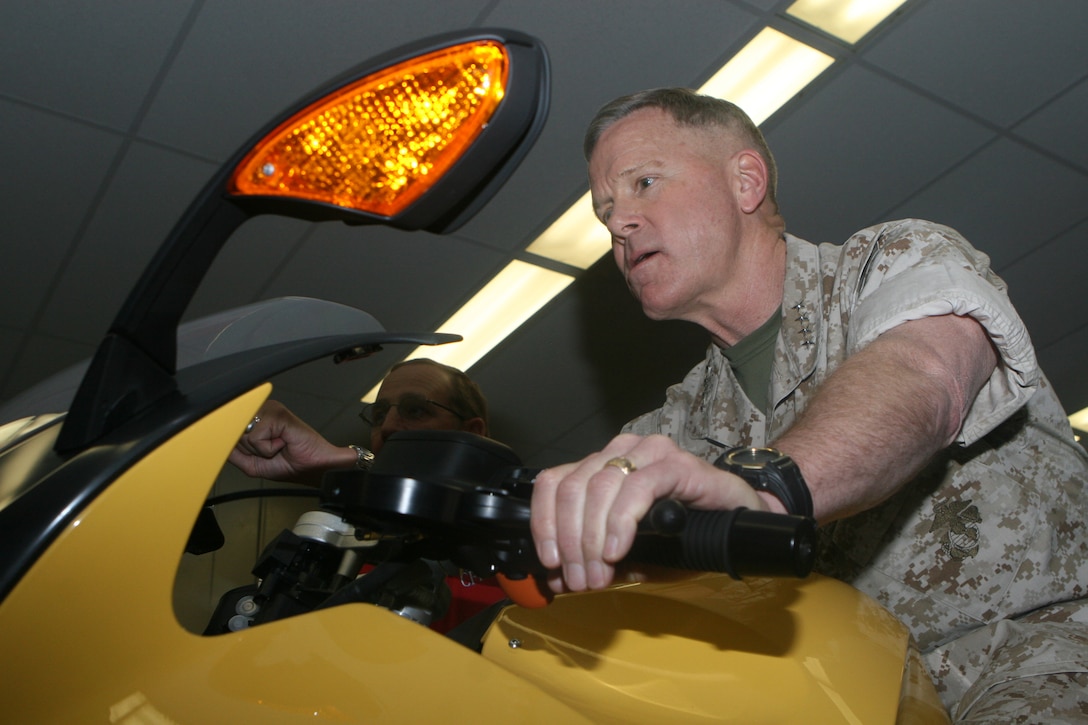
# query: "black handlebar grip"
739, 542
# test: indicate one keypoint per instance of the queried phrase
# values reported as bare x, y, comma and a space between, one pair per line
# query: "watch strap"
781, 478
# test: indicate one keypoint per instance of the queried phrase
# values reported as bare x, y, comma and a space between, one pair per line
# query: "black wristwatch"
770, 470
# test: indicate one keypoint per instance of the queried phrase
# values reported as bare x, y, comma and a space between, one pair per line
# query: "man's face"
417, 382
666, 194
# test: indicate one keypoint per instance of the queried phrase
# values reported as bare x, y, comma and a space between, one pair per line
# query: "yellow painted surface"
89, 634
708, 648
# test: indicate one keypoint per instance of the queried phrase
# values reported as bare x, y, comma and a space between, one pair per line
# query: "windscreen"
285, 319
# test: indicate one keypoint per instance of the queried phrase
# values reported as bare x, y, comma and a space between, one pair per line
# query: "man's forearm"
880, 417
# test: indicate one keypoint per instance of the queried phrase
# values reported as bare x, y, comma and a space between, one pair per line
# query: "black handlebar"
435, 497
471, 493
738, 542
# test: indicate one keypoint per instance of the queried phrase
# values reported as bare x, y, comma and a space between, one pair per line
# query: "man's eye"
414, 409
644, 182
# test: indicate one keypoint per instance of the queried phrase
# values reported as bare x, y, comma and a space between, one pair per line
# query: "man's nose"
390, 425
393, 422
622, 222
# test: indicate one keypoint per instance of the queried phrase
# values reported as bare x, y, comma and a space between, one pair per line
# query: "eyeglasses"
411, 408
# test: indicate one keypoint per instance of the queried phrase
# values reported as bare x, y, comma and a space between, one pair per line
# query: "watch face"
754, 457
770, 470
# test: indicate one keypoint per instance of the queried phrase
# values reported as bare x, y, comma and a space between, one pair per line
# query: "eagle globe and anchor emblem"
961, 518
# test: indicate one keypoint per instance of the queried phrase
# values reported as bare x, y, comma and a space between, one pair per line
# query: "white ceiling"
114, 113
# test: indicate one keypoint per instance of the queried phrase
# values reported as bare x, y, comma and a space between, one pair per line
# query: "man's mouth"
642, 258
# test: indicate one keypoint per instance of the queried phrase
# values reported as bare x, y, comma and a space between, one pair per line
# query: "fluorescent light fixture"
577, 238
766, 73
1079, 420
513, 296
849, 20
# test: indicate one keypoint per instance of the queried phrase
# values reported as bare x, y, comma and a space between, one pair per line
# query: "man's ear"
475, 425
751, 177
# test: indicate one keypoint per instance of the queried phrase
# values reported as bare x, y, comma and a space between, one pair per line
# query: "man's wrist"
770, 472
772, 502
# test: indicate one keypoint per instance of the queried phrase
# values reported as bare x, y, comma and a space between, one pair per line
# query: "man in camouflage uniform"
893, 370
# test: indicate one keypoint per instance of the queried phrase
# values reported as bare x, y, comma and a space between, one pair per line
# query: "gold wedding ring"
623, 464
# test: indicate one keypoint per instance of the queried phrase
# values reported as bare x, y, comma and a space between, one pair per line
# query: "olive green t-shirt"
752, 359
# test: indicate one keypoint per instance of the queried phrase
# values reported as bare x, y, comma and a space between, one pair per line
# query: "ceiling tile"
848, 154
619, 45
1000, 59
1047, 283
143, 202
95, 61
51, 179
1060, 126
1044, 197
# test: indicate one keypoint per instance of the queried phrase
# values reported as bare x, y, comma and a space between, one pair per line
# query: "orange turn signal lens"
379, 143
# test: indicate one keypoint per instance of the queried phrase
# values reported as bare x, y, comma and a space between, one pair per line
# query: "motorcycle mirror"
370, 149
420, 138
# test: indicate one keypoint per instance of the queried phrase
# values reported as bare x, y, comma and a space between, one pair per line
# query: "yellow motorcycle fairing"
90, 635
708, 648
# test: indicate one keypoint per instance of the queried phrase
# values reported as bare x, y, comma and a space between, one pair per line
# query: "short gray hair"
687, 108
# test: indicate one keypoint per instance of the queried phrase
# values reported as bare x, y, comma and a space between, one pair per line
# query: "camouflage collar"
802, 316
